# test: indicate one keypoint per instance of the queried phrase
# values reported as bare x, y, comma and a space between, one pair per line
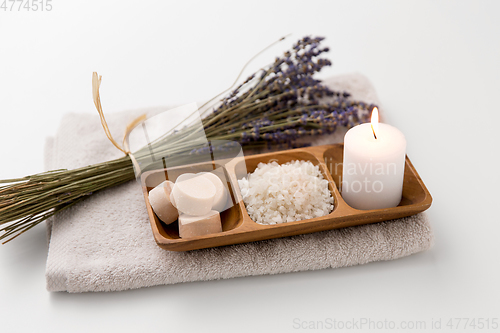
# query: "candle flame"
375, 122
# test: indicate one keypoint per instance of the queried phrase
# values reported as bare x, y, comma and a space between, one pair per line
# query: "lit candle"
373, 166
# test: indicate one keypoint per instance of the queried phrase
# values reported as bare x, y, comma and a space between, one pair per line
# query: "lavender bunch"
275, 106
284, 102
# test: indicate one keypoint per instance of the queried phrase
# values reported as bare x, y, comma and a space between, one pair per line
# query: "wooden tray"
238, 227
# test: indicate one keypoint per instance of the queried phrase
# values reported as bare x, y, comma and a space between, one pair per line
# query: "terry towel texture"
105, 243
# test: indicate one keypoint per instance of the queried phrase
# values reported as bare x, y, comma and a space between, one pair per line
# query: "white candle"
373, 166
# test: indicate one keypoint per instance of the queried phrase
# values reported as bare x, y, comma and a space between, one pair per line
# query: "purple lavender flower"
283, 102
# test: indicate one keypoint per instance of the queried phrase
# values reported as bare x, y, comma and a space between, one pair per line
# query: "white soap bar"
191, 226
159, 199
193, 194
220, 199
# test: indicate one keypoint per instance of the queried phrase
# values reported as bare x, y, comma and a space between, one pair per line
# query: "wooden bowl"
238, 227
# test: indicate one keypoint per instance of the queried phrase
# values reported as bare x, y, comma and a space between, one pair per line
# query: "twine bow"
96, 83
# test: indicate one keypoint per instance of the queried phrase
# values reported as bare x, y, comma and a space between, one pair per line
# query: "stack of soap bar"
191, 226
195, 199
159, 199
194, 196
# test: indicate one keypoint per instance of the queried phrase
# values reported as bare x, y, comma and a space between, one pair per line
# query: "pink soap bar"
192, 226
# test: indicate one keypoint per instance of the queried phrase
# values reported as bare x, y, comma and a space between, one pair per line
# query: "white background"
435, 66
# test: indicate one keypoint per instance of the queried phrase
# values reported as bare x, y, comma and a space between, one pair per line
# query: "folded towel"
105, 243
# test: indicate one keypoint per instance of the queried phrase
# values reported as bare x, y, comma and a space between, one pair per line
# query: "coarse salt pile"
293, 191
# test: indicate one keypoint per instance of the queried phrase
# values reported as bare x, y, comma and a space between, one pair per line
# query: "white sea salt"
293, 191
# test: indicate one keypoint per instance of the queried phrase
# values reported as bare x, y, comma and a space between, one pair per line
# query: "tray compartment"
231, 218
251, 163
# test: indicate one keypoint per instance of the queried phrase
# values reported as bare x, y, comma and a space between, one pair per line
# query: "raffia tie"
96, 83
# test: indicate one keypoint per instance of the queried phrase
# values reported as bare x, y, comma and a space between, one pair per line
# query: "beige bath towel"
105, 243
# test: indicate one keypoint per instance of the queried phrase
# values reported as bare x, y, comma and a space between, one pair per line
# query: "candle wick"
373, 130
